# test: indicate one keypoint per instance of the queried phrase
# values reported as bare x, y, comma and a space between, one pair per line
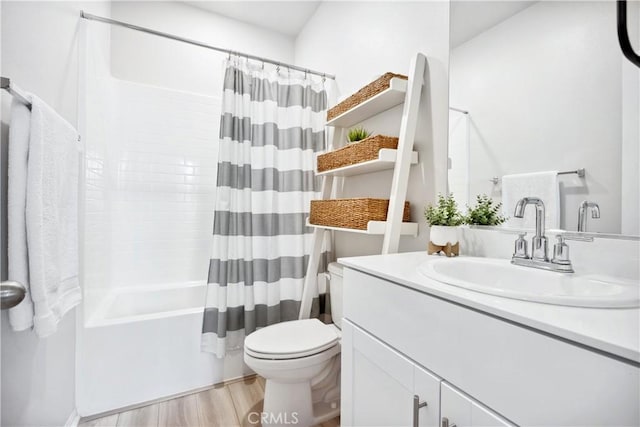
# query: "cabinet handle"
445, 422
416, 409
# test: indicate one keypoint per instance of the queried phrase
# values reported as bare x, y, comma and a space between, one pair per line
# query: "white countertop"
614, 331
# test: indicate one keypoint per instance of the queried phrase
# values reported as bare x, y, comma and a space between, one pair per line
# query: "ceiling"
286, 17
470, 18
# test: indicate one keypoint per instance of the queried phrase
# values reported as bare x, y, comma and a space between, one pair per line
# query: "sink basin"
501, 278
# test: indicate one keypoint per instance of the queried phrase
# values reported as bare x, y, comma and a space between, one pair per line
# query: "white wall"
148, 59
543, 89
39, 53
393, 32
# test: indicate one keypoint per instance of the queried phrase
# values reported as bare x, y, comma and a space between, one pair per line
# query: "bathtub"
142, 345
125, 305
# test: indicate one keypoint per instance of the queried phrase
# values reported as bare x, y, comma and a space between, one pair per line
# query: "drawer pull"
445, 422
416, 409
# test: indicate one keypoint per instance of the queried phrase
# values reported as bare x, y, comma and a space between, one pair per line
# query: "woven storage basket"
352, 213
357, 152
363, 94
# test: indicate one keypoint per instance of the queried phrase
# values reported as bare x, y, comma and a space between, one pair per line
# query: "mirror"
539, 86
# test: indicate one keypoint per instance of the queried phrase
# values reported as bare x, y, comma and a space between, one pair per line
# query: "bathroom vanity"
416, 351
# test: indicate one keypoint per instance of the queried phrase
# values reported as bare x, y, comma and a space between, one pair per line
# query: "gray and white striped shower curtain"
272, 124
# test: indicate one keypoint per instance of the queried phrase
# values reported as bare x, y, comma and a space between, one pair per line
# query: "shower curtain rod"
197, 43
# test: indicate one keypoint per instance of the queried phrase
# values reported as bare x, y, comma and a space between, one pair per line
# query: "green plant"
485, 212
358, 134
445, 212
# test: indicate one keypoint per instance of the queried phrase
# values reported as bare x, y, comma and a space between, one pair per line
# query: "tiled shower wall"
161, 185
96, 106
150, 171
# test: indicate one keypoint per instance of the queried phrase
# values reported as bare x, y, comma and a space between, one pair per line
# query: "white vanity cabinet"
385, 388
472, 368
459, 410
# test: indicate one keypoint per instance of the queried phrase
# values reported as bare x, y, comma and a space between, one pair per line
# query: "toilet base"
287, 404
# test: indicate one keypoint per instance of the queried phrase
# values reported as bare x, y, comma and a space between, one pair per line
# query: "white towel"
51, 212
543, 185
20, 316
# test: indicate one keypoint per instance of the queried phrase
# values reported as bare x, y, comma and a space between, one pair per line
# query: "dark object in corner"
623, 34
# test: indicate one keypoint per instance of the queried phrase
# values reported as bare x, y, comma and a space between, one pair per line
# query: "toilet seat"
291, 340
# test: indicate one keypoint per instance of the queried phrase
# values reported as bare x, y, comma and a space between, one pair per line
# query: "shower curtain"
272, 123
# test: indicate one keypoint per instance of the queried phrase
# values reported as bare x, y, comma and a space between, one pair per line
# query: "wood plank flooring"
226, 405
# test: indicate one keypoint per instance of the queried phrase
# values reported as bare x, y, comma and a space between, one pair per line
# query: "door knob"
11, 294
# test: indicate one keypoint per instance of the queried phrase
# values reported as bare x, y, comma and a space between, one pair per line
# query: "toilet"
300, 361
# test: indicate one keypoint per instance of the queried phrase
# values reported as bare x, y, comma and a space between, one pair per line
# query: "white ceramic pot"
441, 235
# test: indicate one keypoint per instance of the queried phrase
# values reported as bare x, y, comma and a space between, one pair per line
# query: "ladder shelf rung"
374, 228
386, 160
386, 99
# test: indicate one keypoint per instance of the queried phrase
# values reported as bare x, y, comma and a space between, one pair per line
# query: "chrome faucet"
582, 213
539, 248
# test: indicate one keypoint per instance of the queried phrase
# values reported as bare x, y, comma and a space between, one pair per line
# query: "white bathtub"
124, 305
141, 345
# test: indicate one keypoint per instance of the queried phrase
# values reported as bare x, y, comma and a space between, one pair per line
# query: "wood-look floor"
227, 405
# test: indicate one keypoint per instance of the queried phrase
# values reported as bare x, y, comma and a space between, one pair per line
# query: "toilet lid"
289, 340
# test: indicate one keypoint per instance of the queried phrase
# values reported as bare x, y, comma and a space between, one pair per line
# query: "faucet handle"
561, 252
520, 249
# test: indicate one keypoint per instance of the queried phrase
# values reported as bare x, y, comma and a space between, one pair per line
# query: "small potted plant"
485, 212
444, 219
357, 134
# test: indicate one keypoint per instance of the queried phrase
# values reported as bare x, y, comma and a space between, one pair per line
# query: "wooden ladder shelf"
399, 91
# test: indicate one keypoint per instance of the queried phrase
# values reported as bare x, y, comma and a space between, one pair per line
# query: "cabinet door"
456, 409
427, 387
378, 384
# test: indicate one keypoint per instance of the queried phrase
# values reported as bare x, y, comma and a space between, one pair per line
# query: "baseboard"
73, 420
158, 400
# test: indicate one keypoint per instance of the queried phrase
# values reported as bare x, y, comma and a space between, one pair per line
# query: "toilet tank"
335, 291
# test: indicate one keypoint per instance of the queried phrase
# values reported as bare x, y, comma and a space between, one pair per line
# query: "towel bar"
11, 294
5, 83
580, 172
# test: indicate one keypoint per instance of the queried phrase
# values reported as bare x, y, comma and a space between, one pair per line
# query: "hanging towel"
51, 218
543, 185
20, 316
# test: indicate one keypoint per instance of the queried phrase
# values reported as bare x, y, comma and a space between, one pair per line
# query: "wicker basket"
363, 94
357, 152
352, 213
